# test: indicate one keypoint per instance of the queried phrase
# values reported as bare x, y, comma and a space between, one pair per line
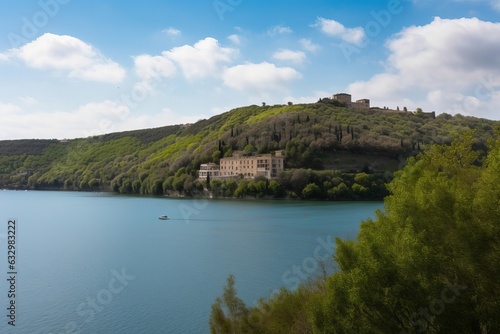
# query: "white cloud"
110, 72
308, 45
69, 55
297, 57
7, 109
235, 39
172, 32
279, 30
262, 77
314, 97
172, 118
442, 66
151, 70
28, 100
219, 110
336, 29
205, 58
91, 119
150, 67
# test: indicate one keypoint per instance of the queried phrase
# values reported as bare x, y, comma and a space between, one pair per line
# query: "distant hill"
327, 142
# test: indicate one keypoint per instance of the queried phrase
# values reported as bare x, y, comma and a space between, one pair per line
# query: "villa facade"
210, 170
248, 167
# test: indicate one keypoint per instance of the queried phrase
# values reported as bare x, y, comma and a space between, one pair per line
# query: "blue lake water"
105, 263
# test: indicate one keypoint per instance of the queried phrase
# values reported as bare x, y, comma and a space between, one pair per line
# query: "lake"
105, 263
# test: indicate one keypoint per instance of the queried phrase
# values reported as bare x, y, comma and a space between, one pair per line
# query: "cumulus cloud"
7, 109
308, 45
172, 32
279, 30
262, 77
90, 119
314, 97
151, 70
444, 65
336, 29
150, 67
297, 57
204, 58
68, 55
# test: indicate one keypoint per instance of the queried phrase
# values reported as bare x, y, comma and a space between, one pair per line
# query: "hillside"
428, 262
326, 145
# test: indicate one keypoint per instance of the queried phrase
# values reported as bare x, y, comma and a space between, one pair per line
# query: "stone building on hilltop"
363, 104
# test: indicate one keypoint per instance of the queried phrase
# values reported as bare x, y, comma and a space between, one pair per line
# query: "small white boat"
163, 217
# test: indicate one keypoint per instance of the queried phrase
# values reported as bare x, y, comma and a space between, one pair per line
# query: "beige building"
209, 169
248, 167
363, 104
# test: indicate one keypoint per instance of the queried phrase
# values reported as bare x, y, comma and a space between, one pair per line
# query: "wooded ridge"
331, 153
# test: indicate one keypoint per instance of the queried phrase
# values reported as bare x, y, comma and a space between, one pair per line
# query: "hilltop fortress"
364, 104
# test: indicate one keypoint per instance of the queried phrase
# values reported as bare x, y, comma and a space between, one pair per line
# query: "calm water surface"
104, 263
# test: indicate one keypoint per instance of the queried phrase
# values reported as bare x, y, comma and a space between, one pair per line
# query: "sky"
75, 68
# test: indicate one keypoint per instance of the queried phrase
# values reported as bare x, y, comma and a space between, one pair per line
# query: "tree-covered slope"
428, 263
315, 136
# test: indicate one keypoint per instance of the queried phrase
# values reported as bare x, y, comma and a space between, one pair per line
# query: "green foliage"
314, 136
424, 254
276, 189
228, 312
311, 191
428, 263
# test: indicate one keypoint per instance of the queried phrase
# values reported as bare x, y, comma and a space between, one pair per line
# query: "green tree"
216, 156
299, 179
359, 189
339, 191
249, 148
156, 187
311, 191
241, 191
261, 188
419, 267
231, 185
178, 182
276, 189
136, 186
229, 312
362, 179
215, 187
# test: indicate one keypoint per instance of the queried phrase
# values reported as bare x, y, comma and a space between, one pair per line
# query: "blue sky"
74, 68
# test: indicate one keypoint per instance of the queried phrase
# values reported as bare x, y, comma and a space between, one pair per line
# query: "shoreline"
207, 197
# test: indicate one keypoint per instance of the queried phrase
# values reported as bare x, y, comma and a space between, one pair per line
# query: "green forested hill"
331, 152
